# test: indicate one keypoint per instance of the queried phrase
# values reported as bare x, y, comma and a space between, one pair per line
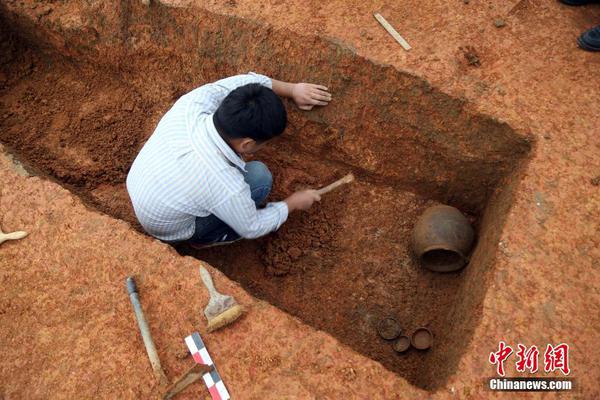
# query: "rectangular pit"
78, 100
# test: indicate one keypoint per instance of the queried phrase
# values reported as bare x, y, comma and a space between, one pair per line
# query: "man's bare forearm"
305, 95
283, 89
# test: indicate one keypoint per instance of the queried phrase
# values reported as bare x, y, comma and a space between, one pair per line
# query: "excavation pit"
78, 103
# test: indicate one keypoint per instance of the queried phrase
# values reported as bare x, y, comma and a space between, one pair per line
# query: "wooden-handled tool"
11, 236
221, 310
145, 331
190, 376
346, 179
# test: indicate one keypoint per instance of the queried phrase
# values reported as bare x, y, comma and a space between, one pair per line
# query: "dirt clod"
294, 252
499, 23
471, 56
128, 105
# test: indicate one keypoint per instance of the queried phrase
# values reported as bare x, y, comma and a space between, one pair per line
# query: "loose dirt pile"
301, 245
309, 240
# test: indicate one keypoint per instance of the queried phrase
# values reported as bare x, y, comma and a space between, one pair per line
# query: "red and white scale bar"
212, 379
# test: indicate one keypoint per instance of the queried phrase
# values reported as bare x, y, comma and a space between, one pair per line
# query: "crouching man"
189, 183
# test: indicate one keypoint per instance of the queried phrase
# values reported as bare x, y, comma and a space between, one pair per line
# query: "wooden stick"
386, 25
346, 179
190, 376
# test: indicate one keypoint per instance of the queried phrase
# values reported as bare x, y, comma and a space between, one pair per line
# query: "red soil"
341, 267
528, 280
345, 265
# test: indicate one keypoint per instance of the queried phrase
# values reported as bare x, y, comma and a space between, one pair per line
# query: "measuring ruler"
212, 379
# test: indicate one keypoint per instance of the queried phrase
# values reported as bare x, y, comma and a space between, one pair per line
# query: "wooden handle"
11, 236
390, 29
189, 377
208, 282
346, 179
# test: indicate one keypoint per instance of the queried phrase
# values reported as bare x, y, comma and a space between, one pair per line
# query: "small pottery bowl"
388, 328
422, 339
402, 344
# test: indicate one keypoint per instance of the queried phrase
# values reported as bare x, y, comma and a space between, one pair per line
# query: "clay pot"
442, 238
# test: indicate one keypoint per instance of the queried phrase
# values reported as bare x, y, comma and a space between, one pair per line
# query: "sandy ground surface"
544, 285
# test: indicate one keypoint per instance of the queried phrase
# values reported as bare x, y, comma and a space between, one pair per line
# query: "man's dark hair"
251, 111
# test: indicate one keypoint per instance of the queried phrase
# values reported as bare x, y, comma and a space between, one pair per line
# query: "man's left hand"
308, 95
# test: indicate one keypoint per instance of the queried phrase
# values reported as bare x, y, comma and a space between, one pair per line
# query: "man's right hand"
302, 200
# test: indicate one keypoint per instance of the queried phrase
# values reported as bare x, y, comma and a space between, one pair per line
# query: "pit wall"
384, 123
465, 314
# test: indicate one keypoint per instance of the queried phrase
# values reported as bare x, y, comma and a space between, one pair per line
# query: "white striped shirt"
186, 170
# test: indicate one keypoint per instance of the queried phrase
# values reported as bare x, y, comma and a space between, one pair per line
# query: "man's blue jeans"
211, 229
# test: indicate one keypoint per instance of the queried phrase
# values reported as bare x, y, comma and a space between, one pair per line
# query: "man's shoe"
590, 39
202, 246
578, 2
